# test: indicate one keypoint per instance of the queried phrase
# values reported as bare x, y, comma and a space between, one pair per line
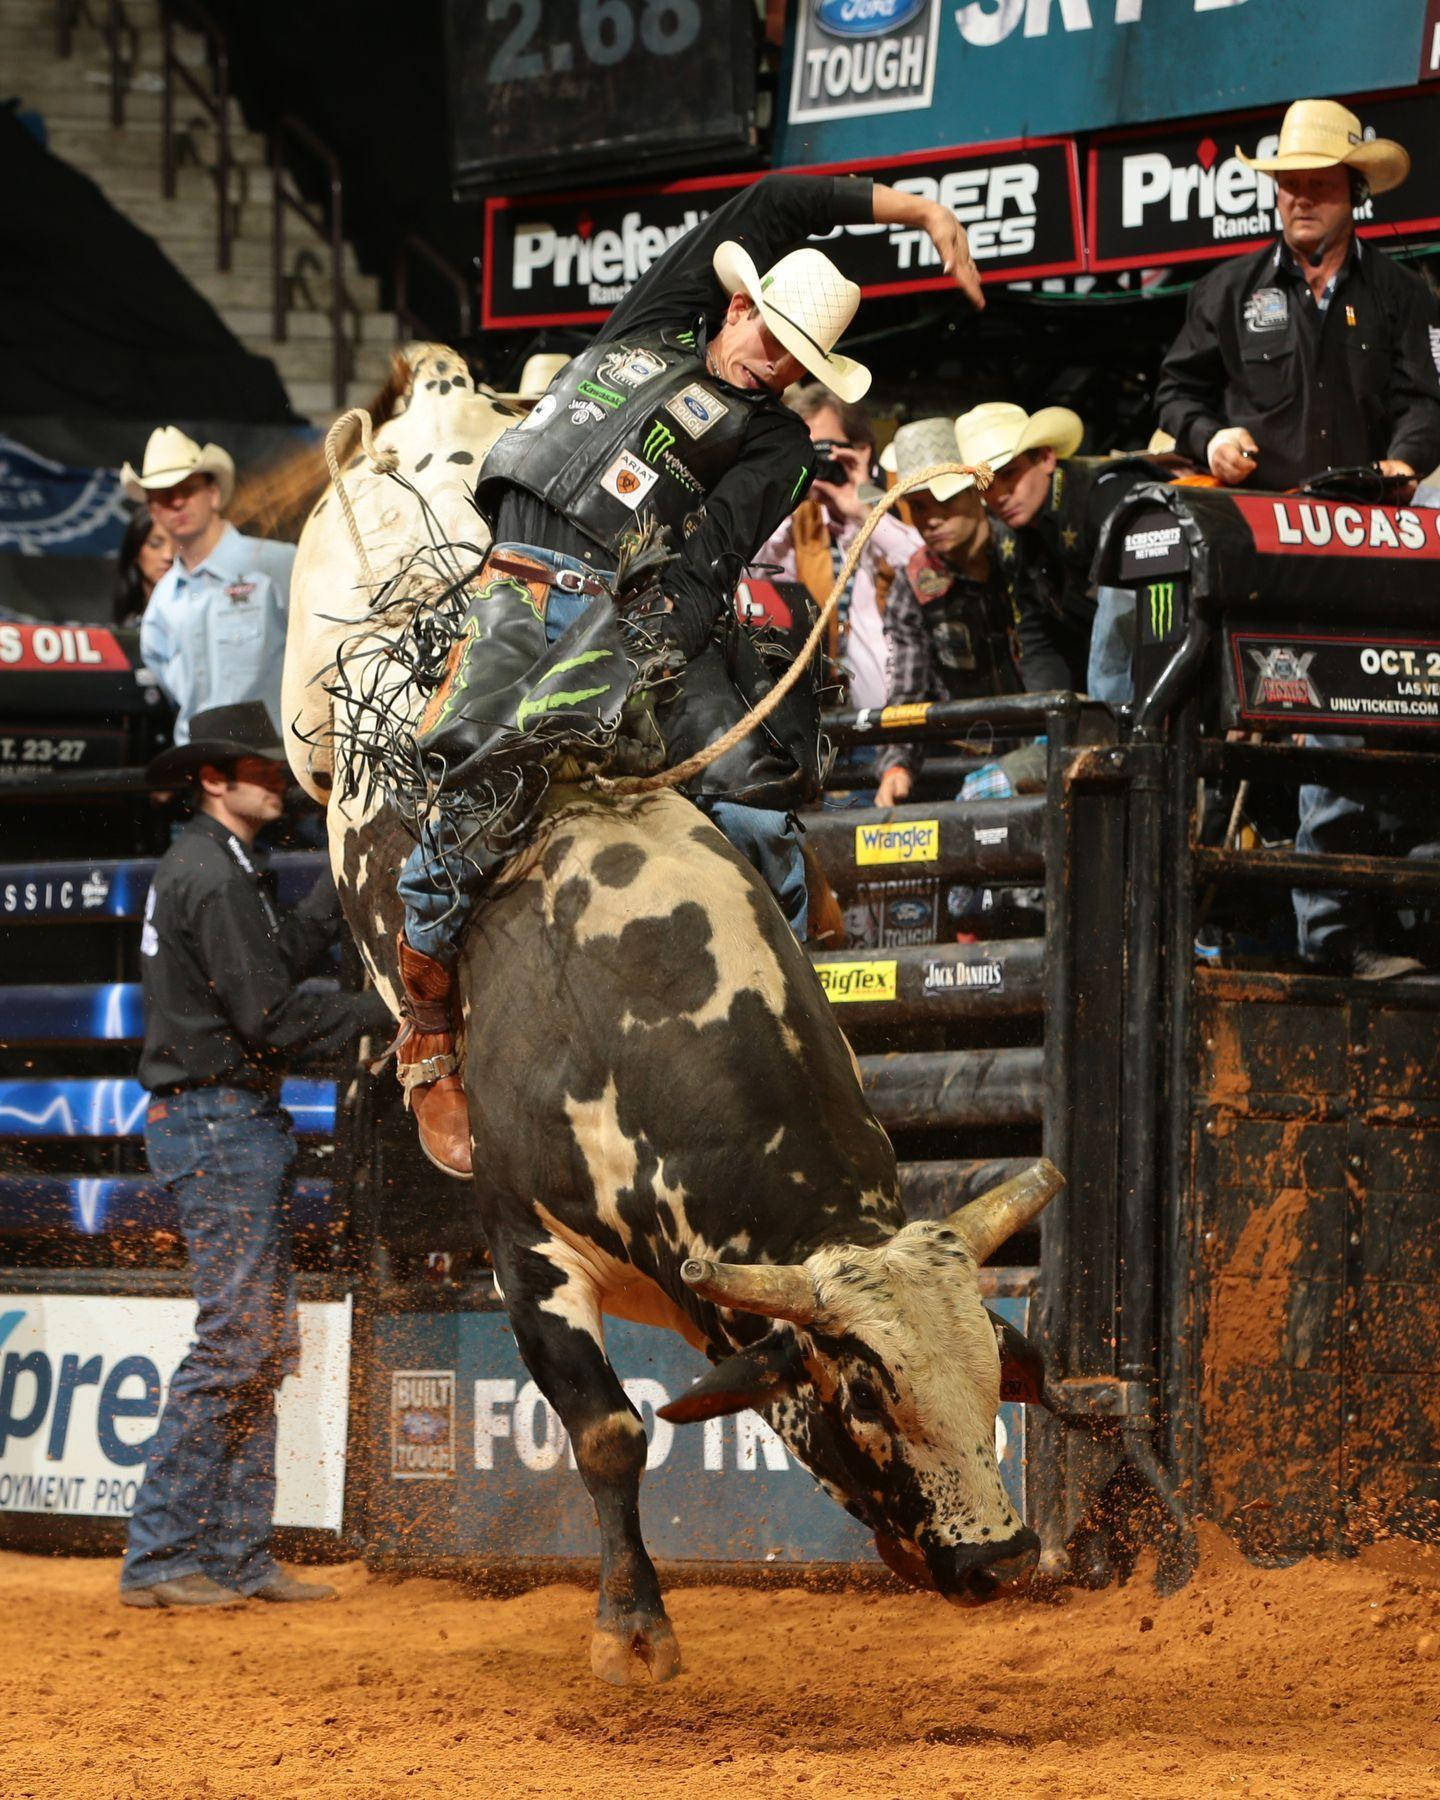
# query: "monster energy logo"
1162, 608
660, 439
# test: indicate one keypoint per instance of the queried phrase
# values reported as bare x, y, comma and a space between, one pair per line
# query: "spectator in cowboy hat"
225, 1015
946, 622
214, 631
1317, 351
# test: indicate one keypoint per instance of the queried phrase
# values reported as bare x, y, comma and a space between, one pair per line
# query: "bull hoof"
635, 1651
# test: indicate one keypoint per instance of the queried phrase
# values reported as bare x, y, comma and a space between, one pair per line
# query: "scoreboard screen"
545, 91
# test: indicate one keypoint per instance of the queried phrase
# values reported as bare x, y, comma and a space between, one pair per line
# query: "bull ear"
986, 1223
1022, 1367
750, 1378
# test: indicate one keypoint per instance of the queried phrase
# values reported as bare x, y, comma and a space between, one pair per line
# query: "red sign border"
1236, 246
498, 203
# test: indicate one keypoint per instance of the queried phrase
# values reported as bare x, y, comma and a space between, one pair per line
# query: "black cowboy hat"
220, 734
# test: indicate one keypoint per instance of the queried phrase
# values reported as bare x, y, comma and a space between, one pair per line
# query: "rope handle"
741, 729
383, 461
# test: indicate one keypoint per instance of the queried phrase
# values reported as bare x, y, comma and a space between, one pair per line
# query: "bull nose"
976, 1570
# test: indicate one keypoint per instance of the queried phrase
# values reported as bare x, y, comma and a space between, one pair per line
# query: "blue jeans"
1111, 674
1331, 923
439, 885
207, 1501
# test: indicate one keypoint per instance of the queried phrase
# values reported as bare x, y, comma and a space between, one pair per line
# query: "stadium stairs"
72, 95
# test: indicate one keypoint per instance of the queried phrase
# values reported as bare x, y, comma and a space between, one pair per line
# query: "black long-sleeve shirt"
681, 292
221, 969
1354, 384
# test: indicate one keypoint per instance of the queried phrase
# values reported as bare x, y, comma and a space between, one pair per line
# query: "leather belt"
570, 581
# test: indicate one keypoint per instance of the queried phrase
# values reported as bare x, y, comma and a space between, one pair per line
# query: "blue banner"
129, 1204
47, 893
47, 509
879, 78
35, 1108
472, 1460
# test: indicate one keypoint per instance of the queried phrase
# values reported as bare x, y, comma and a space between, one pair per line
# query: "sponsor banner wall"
871, 78
474, 1461
569, 259
83, 1379
1181, 194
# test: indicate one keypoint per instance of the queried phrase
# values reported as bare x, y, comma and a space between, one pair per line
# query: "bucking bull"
668, 1124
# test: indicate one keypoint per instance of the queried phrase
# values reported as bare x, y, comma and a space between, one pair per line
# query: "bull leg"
634, 1643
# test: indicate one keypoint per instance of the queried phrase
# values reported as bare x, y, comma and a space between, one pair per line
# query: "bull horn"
987, 1221
774, 1290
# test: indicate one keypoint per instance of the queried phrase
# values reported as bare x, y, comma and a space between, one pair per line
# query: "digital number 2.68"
607, 33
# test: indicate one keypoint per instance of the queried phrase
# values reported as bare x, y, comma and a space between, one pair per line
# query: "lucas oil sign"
502, 1476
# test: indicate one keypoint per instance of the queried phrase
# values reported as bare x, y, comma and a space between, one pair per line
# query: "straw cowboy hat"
220, 734
806, 303
170, 458
535, 378
998, 432
923, 444
1319, 134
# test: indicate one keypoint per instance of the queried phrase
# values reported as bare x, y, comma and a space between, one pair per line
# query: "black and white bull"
669, 1127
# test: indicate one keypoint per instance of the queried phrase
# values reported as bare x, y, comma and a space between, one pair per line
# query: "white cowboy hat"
170, 458
807, 303
923, 444
1319, 134
998, 432
535, 378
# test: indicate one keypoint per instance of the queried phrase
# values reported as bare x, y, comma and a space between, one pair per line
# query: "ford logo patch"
864, 18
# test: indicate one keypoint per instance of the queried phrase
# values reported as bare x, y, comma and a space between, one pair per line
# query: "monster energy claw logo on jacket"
625, 428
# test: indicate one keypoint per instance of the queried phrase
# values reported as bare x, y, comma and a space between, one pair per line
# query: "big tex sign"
885, 77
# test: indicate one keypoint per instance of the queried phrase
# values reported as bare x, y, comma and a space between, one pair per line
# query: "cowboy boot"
425, 1061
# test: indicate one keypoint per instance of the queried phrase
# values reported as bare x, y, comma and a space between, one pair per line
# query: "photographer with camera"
810, 545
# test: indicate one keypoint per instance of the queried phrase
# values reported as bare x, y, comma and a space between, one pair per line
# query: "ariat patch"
1267, 309
628, 479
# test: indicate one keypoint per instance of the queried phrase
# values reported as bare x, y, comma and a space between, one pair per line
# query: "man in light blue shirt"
214, 631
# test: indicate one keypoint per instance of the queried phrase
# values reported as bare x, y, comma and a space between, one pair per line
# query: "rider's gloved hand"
1232, 455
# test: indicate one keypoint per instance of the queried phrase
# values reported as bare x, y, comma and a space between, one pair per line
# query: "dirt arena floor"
1320, 1680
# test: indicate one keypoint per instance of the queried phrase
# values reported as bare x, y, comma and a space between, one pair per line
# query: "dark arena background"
228, 217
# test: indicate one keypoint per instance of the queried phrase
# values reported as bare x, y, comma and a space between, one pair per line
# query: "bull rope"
383, 462
694, 765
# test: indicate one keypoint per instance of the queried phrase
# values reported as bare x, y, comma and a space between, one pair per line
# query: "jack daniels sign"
1180, 194
569, 259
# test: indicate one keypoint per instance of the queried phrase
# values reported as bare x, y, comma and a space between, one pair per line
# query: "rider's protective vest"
627, 428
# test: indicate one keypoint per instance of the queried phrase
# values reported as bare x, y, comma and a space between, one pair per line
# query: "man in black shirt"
1318, 352
674, 413
224, 1017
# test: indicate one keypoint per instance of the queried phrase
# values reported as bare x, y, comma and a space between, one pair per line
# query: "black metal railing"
215, 102
121, 43
409, 322
325, 220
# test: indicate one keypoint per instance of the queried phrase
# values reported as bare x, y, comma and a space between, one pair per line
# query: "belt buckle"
570, 581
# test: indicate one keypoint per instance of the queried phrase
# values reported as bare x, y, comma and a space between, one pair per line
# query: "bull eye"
865, 1402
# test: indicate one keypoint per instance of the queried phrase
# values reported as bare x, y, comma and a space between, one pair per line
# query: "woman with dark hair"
146, 552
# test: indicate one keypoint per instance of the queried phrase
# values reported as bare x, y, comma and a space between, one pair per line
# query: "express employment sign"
879, 77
